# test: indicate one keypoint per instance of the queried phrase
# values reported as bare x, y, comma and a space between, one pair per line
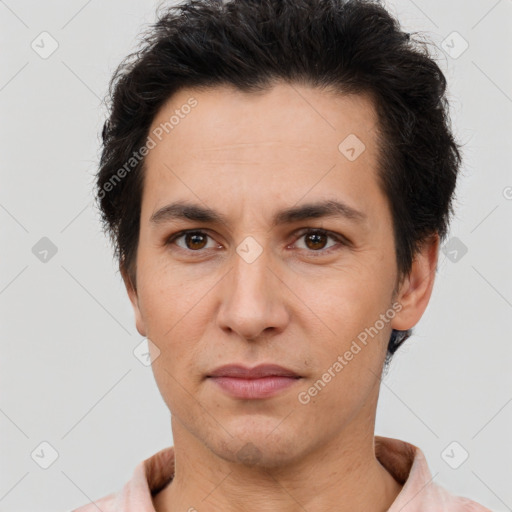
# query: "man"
276, 177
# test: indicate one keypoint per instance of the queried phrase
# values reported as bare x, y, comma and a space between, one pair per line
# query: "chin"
259, 446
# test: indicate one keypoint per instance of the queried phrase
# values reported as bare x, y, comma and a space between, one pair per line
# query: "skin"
248, 156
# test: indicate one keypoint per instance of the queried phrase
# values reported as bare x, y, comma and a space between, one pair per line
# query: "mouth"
258, 372
263, 381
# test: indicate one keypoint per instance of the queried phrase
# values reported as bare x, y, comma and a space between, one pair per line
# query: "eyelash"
306, 231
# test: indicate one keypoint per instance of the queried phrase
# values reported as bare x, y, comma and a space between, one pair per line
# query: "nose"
252, 299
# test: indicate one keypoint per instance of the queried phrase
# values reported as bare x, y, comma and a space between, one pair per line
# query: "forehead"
287, 140
215, 118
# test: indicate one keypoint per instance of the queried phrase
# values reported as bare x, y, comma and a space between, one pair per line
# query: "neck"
341, 475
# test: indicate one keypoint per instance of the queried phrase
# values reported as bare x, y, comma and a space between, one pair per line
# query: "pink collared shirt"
403, 460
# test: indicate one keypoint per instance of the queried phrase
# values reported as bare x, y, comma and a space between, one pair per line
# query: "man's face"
206, 300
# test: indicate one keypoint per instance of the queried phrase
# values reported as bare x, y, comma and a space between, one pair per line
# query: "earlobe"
134, 299
416, 289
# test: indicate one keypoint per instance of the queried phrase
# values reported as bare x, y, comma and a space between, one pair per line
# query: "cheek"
174, 308
347, 298
166, 298
349, 305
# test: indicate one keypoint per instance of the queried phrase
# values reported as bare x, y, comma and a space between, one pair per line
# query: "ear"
134, 299
416, 289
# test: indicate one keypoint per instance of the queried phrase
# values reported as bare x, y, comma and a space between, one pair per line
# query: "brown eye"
195, 240
316, 240
192, 241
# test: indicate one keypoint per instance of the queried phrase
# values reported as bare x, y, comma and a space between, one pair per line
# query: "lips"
263, 381
258, 372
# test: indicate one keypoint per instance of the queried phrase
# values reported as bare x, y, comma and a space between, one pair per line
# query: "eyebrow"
183, 210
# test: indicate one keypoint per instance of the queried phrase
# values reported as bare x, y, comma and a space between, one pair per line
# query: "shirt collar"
404, 461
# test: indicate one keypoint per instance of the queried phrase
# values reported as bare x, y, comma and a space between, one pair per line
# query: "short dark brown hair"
351, 47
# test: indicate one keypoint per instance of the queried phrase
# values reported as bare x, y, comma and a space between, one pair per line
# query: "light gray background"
68, 375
